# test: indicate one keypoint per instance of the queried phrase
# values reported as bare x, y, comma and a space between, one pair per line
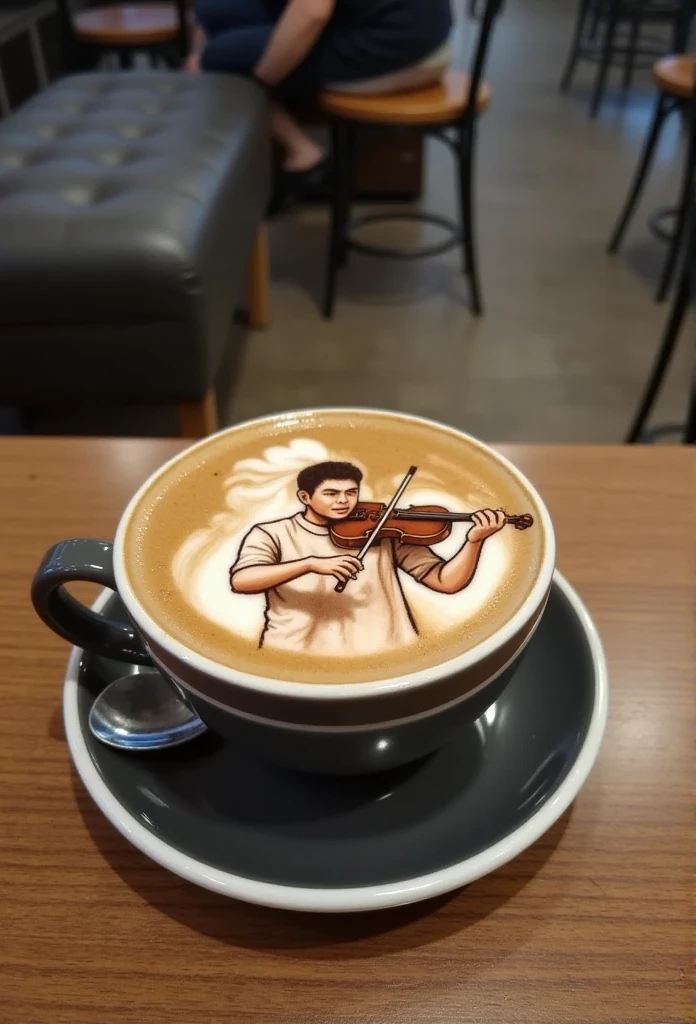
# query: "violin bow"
341, 585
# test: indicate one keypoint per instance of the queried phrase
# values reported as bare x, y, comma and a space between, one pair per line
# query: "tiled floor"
569, 331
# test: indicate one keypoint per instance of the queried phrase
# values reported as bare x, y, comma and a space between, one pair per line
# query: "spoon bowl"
143, 711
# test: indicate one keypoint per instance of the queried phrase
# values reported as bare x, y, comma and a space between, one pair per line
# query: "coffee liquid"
234, 550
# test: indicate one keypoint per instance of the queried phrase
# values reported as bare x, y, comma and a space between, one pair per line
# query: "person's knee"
237, 51
212, 15
220, 15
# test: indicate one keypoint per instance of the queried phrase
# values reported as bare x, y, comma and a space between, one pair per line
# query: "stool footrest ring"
453, 239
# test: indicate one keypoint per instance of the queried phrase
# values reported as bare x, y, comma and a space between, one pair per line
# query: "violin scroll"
521, 522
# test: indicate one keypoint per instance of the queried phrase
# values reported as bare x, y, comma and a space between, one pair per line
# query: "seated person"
295, 48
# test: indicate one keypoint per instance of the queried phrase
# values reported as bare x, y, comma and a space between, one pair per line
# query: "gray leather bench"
130, 205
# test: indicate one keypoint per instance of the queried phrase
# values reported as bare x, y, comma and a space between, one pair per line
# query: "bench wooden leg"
258, 299
198, 419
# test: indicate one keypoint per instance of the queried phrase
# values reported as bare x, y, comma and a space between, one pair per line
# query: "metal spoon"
143, 711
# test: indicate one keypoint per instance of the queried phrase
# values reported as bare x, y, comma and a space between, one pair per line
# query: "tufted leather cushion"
128, 207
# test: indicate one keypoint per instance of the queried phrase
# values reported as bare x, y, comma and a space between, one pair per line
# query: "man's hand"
343, 567
486, 522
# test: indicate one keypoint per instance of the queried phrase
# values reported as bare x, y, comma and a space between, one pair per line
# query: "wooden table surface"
592, 925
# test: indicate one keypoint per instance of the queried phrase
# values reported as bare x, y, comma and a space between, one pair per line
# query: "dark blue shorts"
238, 32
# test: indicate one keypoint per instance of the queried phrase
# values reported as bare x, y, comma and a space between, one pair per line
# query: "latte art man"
296, 564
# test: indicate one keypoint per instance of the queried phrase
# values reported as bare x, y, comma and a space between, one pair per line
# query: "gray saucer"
218, 816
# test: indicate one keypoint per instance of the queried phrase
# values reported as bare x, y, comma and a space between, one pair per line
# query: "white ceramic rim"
342, 900
337, 691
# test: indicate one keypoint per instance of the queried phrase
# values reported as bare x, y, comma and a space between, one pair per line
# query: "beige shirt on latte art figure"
296, 564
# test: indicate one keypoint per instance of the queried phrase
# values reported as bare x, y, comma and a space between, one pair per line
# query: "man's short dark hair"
313, 476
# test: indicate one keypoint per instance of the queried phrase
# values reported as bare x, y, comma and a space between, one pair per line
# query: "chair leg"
681, 28
630, 64
594, 24
169, 56
341, 145
198, 419
466, 140
349, 148
574, 52
603, 70
662, 108
686, 200
690, 428
663, 358
258, 288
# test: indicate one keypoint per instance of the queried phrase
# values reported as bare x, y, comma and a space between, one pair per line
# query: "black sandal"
290, 187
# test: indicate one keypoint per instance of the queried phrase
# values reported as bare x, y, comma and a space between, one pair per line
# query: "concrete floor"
569, 332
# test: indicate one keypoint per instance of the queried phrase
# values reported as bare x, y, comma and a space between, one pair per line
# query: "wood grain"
127, 25
675, 75
258, 282
590, 926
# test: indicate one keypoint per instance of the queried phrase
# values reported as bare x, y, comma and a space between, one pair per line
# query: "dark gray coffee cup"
328, 728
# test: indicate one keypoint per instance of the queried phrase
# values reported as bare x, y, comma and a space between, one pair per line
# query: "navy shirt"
374, 37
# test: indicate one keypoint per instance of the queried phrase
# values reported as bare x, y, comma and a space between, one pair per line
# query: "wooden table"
591, 926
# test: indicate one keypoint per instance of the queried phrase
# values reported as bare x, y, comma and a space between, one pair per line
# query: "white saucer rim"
349, 899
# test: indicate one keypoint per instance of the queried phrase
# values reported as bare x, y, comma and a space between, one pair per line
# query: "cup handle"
90, 560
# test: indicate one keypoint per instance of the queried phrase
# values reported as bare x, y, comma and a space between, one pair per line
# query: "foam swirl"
263, 489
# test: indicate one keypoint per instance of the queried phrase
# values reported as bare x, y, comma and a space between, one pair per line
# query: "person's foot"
292, 186
192, 64
304, 157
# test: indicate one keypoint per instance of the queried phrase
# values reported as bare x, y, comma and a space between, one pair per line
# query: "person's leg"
215, 16
238, 50
302, 152
219, 15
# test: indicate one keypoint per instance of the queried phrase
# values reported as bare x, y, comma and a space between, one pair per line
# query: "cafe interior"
521, 271
197, 829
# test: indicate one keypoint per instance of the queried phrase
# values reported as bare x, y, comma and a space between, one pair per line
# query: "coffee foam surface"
187, 531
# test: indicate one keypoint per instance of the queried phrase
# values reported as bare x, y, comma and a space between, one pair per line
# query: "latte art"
334, 546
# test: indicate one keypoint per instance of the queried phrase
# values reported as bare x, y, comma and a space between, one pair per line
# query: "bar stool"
676, 79
599, 37
443, 111
686, 291
158, 29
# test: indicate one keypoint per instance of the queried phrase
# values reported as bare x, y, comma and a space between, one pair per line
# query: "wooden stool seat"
442, 103
447, 110
676, 75
127, 25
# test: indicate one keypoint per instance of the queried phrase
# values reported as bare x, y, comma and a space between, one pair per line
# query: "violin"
418, 524
373, 521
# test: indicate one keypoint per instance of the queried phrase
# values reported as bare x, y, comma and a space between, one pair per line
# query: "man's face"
333, 499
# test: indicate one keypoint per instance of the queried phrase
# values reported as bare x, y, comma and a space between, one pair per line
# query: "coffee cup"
341, 590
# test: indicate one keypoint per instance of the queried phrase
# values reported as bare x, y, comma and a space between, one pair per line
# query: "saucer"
216, 816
